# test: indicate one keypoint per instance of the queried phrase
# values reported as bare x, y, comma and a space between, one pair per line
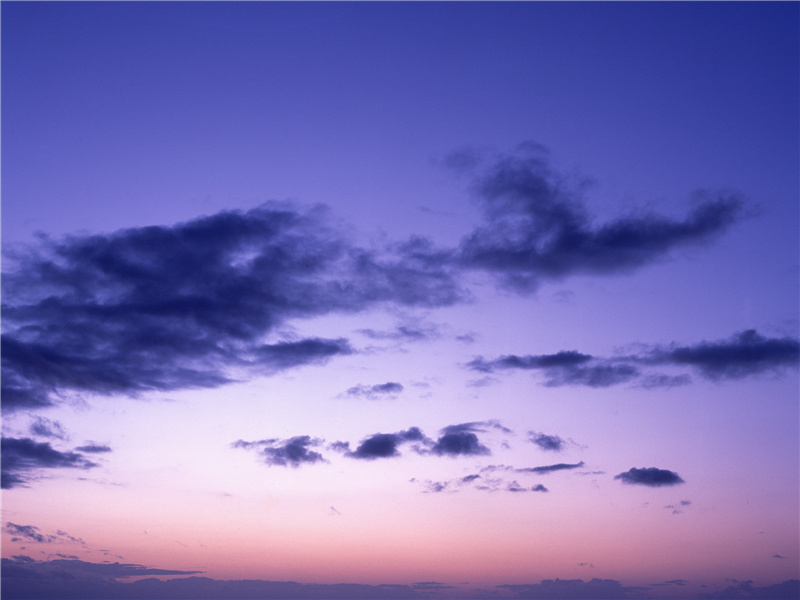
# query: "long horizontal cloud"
162, 308
744, 354
24, 458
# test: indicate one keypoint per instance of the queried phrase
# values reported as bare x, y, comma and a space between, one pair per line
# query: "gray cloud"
650, 476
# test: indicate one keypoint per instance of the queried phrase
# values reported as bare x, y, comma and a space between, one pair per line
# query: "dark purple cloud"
385, 445
550, 468
24, 458
537, 226
188, 306
744, 354
649, 476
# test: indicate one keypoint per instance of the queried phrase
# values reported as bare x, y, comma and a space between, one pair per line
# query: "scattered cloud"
42, 427
94, 448
744, 354
385, 445
550, 443
649, 476
23, 458
389, 389
550, 468
30, 533
292, 452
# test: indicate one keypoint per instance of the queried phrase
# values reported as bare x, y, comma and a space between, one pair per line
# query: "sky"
400, 300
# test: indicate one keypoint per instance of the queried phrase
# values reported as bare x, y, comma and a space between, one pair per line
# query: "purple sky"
435, 300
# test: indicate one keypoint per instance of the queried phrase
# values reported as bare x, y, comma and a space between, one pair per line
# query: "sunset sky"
440, 299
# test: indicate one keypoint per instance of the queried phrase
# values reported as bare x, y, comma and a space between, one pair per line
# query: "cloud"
563, 368
537, 226
550, 468
459, 443
22, 458
551, 443
650, 476
94, 448
63, 579
571, 589
744, 354
292, 452
30, 533
190, 306
385, 445
42, 427
788, 590
373, 392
